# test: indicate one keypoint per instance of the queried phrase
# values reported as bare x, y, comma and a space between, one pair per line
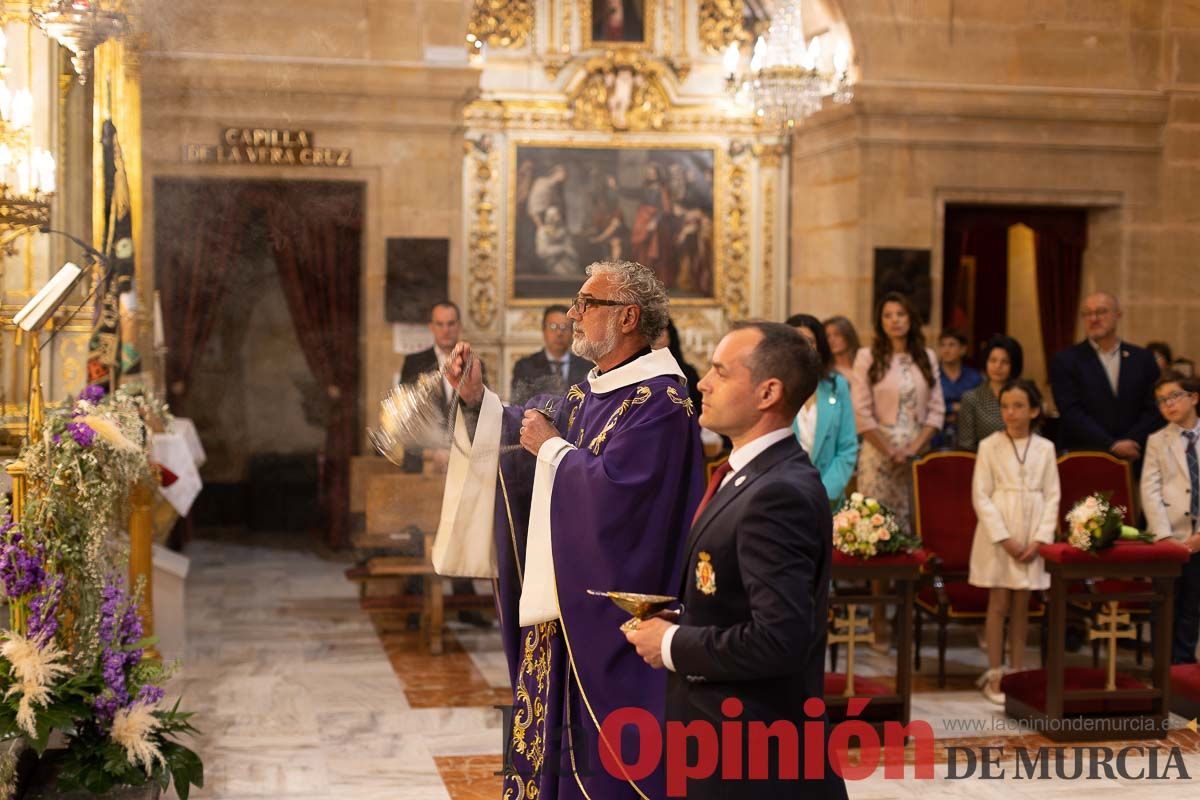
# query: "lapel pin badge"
739, 480
706, 574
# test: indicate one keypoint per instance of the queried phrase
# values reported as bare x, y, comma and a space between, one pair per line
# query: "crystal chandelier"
27, 173
81, 26
789, 76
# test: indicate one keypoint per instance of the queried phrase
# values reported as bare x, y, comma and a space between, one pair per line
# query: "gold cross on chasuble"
849, 631
1108, 626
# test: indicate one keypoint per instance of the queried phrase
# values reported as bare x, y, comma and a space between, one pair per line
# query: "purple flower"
93, 393
120, 626
22, 570
43, 612
82, 433
150, 694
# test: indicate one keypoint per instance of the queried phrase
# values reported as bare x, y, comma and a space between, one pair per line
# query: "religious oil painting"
619, 23
572, 205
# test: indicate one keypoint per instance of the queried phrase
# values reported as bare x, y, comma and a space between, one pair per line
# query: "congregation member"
825, 425
843, 343
1103, 387
979, 416
755, 592
599, 495
1162, 355
957, 379
1171, 499
554, 368
1015, 491
897, 403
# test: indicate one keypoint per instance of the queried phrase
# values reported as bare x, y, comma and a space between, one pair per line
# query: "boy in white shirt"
1171, 498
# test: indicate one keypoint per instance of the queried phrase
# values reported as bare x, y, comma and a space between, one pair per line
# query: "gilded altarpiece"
570, 145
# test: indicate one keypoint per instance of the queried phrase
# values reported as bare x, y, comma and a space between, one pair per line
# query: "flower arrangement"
101, 694
864, 527
1094, 523
72, 658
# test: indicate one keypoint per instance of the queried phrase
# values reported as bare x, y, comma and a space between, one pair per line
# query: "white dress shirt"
806, 424
1111, 361
563, 363
738, 459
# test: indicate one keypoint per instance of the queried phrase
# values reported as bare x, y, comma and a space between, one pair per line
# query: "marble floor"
303, 695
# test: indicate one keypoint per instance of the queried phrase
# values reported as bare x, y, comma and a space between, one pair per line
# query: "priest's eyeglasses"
583, 303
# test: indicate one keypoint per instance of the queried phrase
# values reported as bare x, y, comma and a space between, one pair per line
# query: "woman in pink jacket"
897, 403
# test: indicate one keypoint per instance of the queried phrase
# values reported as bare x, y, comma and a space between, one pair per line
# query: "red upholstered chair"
1081, 474
944, 517
1185, 690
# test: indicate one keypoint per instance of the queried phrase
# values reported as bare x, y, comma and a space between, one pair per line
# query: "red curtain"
1059, 248
316, 230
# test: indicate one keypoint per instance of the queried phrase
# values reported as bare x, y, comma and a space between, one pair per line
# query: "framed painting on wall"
617, 23
570, 205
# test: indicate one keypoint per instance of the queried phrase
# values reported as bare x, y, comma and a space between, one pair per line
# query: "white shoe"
993, 696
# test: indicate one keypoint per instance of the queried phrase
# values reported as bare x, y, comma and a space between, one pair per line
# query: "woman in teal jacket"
825, 426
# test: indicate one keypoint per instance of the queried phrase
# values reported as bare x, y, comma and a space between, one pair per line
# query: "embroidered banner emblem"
706, 576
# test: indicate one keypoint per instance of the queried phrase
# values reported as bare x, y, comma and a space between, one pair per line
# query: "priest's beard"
595, 349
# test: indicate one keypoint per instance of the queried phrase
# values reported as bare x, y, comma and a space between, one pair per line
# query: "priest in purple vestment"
591, 490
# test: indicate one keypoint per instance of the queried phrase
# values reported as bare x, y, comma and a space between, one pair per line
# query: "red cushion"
1082, 474
944, 514
1030, 688
1185, 681
835, 684
1119, 553
918, 557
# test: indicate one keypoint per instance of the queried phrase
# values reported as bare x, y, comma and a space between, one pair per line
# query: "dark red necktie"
714, 483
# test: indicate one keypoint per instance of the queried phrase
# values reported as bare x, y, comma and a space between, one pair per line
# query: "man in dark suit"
445, 323
553, 369
756, 569
1104, 387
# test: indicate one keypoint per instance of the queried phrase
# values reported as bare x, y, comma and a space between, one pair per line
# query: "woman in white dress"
1015, 493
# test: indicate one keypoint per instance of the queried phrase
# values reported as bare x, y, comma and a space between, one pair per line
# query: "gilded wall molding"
619, 91
768, 243
720, 23
500, 23
735, 298
483, 237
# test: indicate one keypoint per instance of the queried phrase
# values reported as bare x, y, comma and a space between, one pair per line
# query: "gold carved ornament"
720, 24
530, 711
619, 91
737, 235
499, 23
483, 239
640, 396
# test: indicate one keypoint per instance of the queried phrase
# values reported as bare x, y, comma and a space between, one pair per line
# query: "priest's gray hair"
636, 284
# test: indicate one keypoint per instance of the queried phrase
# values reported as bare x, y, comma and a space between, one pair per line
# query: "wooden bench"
401, 510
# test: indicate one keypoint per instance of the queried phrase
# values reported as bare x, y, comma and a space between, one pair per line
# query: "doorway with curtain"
1014, 270
259, 283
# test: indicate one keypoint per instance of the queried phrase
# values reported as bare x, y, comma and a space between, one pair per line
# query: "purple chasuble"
620, 509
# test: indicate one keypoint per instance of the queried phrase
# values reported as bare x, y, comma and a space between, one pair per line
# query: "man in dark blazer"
756, 571
553, 369
445, 323
1104, 387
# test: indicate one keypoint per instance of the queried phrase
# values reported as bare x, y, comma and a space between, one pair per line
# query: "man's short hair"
557, 308
445, 304
784, 354
637, 285
1186, 382
955, 334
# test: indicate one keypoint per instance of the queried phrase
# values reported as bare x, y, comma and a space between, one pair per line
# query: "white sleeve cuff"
553, 450
666, 647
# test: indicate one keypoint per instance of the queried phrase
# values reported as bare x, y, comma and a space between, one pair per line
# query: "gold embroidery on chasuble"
640, 396
529, 716
686, 402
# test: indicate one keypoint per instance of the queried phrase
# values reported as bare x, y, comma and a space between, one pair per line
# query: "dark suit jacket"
533, 375
414, 365
1090, 417
760, 635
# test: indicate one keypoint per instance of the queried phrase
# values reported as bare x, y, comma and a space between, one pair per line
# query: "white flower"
132, 728
35, 669
856, 498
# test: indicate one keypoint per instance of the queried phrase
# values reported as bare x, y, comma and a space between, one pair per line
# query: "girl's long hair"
881, 348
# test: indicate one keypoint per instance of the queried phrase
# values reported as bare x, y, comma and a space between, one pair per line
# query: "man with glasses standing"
553, 369
591, 490
1103, 387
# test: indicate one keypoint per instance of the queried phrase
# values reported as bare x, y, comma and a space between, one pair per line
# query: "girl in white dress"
1015, 492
